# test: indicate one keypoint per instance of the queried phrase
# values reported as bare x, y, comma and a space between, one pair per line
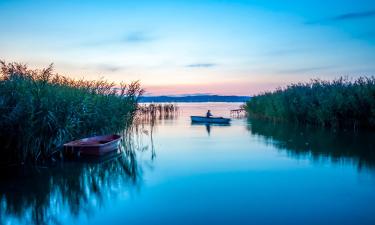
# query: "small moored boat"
97, 145
203, 119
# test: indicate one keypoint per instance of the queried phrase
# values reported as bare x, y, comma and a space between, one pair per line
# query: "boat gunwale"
205, 117
210, 119
76, 143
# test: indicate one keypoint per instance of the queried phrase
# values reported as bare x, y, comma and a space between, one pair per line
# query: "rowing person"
208, 114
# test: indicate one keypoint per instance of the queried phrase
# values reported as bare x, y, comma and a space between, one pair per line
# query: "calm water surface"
250, 172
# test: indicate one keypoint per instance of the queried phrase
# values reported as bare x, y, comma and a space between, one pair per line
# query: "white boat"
203, 119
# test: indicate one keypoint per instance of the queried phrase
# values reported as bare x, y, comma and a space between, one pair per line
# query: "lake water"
250, 172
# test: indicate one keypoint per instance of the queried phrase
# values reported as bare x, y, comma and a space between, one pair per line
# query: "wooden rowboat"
203, 119
97, 145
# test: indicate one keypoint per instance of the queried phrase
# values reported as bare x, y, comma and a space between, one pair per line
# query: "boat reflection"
37, 195
209, 125
317, 143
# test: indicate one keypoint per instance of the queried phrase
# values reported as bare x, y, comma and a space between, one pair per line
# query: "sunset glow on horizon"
182, 47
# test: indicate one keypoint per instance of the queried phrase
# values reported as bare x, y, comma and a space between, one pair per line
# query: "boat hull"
98, 145
202, 119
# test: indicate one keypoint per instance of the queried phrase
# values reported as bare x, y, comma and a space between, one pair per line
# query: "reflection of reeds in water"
318, 143
147, 118
73, 188
39, 195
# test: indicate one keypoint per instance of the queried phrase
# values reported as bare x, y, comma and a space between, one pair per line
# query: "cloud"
135, 37
128, 38
345, 17
303, 70
201, 65
109, 68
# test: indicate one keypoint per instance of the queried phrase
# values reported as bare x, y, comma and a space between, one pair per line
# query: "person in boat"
208, 114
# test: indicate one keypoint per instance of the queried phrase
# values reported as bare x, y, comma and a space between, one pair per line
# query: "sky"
181, 47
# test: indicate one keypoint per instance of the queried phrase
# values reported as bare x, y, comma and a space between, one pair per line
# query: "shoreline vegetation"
158, 110
341, 103
41, 110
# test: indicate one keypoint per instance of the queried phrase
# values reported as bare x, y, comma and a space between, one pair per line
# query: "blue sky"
175, 47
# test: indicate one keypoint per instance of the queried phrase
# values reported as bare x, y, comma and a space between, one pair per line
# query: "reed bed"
338, 103
41, 110
161, 111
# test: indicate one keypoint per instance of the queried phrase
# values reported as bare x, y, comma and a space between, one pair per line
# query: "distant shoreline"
194, 99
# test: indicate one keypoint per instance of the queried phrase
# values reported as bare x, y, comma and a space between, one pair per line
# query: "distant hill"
195, 98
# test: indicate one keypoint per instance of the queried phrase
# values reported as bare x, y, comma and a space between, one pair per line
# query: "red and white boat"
97, 145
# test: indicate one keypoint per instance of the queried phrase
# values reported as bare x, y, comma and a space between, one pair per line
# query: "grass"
41, 110
339, 103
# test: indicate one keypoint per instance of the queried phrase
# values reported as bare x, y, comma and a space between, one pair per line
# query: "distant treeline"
40, 111
337, 103
195, 98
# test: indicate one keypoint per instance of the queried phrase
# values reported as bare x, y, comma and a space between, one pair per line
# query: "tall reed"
162, 111
41, 110
337, 103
